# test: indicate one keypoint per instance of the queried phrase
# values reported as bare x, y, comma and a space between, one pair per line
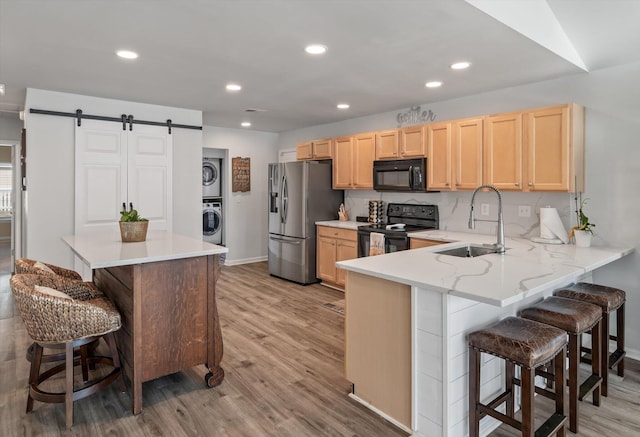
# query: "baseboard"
381, 413
237, 262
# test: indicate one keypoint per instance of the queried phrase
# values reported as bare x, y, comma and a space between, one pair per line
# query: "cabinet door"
548, 149
439, 156
345, 249
149, 174
365, 151
387, 144
416, 243
326, 259
467, 153
322, 149
412, 142
503, 151
304, 150
343, 163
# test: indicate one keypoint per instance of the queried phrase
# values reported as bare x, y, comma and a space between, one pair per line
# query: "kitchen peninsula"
165, 290
408, 314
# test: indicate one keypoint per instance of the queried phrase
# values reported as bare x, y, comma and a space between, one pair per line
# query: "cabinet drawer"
345, 234
416, 243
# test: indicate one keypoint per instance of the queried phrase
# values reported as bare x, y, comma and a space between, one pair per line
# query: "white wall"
245, 214
49, 205
611, 99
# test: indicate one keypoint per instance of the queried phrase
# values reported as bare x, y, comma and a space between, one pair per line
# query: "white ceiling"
381, 52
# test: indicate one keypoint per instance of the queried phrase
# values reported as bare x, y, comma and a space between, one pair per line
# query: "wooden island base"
169, 318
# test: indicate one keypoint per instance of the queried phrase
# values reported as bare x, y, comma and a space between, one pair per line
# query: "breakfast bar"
165, 290
408, 314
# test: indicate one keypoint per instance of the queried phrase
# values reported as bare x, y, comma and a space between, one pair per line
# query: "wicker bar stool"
609, 299
575, 318
31, 266
63, 313
529, 345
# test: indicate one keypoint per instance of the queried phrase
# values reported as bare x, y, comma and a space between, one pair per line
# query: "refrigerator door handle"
284, 240
285, 199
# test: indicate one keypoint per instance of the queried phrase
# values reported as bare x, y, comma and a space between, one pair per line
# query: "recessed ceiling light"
460, 65
343, 106
433, 84
245, 124
127, 54
233, 87
315, 49
1, 89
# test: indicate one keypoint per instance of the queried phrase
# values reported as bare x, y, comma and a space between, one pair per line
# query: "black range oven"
401, 219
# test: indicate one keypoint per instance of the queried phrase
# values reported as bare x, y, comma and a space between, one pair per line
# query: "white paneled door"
116, 167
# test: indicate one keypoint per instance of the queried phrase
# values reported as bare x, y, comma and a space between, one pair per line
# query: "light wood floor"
284, 377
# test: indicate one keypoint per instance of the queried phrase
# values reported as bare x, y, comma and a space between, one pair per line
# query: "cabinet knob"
457, 184
517, 184
531, 184
446, 184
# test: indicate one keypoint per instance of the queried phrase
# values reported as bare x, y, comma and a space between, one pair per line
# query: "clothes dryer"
211, 177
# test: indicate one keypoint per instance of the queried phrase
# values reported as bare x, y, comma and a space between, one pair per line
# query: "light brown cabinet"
467, 153
503, 151
317, 149
416, 243
554, 143
353, 161
439, 156
334, 244
408, 142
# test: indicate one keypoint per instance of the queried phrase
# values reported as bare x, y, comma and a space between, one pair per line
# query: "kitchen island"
165, 290
408, 313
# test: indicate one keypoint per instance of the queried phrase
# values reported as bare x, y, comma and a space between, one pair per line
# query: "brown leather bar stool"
529, 345
609, 299
574, 317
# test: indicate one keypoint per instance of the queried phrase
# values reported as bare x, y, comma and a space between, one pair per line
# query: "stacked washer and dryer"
211, 200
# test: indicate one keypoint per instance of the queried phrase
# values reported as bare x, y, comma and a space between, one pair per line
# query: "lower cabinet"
334, 244
416, 243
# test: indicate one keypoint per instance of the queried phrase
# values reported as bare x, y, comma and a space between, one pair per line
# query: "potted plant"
583, 231
133, 228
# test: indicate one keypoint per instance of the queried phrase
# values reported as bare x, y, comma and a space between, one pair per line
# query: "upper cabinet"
317, 149
353, 161
455, 155
503, 151
439, 153
408, 142
467, 153
555, 148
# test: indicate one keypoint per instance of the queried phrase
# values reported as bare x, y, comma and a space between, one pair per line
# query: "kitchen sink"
468, 251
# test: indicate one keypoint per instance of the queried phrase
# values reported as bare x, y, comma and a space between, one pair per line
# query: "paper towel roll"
551, 226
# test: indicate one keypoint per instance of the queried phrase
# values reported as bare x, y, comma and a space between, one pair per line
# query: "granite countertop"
107, 250
527, 268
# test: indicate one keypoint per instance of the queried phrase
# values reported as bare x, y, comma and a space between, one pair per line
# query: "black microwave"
400, 175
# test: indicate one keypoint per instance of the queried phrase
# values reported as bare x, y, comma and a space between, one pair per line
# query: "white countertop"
107, 250
527, 268
340, 224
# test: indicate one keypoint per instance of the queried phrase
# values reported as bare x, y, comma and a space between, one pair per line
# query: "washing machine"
211, 177
212, 221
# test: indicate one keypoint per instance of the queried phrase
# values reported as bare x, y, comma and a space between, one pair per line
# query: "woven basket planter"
132, 232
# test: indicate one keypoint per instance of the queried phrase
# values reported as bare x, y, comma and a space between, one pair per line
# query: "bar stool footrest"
551, 425
589, 385
616, 357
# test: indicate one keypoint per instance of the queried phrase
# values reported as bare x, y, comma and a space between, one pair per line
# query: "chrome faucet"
500, 232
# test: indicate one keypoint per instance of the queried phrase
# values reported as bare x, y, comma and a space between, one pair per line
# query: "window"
6, 178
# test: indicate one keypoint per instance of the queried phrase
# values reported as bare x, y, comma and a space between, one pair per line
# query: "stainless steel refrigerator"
299, 195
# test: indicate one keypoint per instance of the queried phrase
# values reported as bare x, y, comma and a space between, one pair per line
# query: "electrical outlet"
524, 211
484, 209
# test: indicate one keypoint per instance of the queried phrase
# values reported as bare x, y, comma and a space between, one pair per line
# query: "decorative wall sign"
415, 116
240, 174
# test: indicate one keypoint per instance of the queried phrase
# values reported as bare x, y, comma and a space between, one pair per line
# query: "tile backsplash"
453, 209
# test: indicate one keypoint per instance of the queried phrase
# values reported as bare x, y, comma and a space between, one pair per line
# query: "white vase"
583, 238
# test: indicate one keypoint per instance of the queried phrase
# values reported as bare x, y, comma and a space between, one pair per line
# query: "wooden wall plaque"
241, 174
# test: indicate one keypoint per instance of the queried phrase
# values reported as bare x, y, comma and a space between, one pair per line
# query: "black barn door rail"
124, 119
